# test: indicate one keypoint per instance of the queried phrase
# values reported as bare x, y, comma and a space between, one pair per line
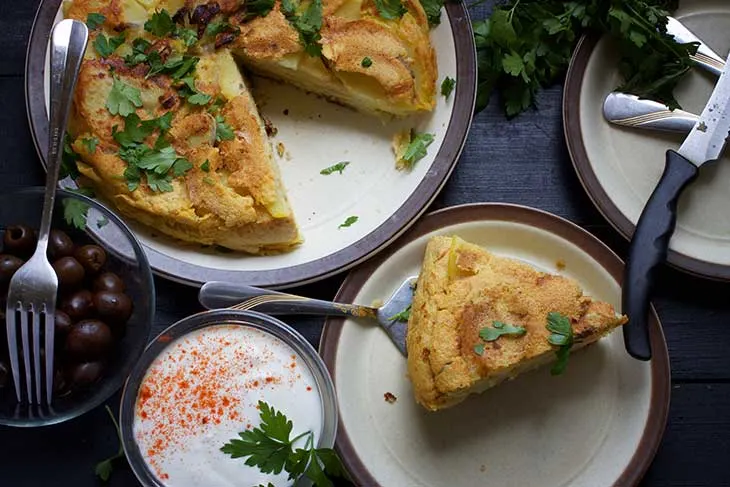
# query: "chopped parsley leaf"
390, 9
75, 211
479, 349
90, 144
416, 149
215, 28
447, 87
205, 167
123, 98
339, 167
258, 8
561, 335
223, 131
188, 36
308, 24
106, 46
404, 315
348, 222
139, 52
160, 24
433, 11
498, 329
94, 20
366, 62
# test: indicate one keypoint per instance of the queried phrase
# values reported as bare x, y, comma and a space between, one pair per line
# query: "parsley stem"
300, 436
120, 451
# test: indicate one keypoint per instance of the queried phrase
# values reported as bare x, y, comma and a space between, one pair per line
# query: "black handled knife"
650, 242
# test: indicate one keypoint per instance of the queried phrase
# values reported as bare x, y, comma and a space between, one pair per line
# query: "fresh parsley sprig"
561, 335
271, 448
106, 46
414, 149
447, 87
526, 45
307, 24
349, 221
76, 211
497, 330
95, 20
123, 99
404, 315
390, 9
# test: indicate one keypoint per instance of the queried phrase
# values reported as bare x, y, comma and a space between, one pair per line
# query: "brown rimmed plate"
599, 424
315, 134
619, 167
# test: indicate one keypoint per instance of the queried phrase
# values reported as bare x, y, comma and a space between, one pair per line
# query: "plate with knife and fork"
618, 143
599, 423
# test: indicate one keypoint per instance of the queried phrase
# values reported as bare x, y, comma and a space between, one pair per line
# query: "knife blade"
634, 112
650, 242
705, 57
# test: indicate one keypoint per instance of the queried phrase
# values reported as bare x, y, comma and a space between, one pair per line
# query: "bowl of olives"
104, 307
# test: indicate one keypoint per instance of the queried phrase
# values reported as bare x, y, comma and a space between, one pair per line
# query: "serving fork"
391, 315
31, 300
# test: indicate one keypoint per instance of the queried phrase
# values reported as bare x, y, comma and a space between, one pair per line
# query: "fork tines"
36, 326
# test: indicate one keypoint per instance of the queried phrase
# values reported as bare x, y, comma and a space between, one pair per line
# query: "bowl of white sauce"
198, 385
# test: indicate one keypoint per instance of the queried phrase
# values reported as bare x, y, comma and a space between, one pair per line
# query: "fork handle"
218, 294
68, 43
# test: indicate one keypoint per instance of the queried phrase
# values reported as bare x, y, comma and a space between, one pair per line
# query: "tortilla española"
463, 289
165, 127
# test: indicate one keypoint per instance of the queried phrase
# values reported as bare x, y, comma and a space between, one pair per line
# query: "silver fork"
391, 316
31, 300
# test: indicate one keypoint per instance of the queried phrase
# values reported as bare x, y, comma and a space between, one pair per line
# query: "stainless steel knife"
650, 241
632, 111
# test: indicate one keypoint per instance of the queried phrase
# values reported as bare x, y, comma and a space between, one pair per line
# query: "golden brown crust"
463, 288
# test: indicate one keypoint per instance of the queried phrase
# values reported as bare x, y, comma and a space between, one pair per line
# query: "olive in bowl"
92, 358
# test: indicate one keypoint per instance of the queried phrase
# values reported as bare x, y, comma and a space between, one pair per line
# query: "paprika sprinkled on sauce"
203, 389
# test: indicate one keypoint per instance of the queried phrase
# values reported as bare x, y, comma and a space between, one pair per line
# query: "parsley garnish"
390, 9
205, 167
308, 24
258, 8
90, 144
188, 36
447, 87
526, 45
433, 11
75, 211
479, 349
104, 468
187, 90
404, 315
223, 131
106, 46
160, 24
215, 28
94, 20
339, 167
561, 335
139, 52
271, 448
348, 222
498, 329
123, 98
366, 62
416, 149
68, 160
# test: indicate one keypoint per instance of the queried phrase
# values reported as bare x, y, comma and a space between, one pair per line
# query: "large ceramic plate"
620, 167
316, 134
597, 425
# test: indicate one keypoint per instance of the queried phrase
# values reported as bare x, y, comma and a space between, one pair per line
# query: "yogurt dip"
203, 389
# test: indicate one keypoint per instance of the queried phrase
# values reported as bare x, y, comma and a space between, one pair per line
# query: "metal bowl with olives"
105, 303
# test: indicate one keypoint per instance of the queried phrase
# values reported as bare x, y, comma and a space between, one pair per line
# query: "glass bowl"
125, 257
259, 321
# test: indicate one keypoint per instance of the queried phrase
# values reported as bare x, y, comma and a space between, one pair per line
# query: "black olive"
59, 245
108, 281
19, 240
89, 340
92, 257
69, 271
4, 374
113, 307
9, 264
62, 324
85, 374
78, 305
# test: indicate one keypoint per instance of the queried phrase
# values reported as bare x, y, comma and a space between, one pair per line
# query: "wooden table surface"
521, 161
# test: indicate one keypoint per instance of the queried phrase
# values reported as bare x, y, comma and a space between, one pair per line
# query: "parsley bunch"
527, 44
271, 448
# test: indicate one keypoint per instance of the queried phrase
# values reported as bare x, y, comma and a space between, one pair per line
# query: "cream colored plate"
628, 163
598, 423
317, 134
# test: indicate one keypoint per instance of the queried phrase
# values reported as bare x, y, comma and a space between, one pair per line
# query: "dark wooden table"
521, 161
